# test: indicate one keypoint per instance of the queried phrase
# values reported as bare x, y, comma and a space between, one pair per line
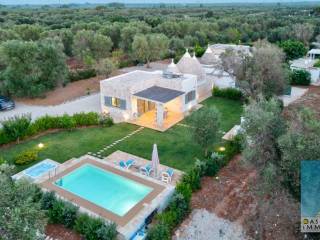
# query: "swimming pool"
103, 188
39, 169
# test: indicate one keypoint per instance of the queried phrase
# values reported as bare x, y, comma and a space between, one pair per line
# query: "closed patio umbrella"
155, 160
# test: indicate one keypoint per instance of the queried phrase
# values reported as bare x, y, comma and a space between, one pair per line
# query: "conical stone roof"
191, 65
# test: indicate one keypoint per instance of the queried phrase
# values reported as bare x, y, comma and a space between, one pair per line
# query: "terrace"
135, 213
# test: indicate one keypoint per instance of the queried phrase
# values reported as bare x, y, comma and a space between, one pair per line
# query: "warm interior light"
40, 145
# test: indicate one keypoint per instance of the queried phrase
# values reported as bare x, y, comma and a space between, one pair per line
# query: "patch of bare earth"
70, 92
230, 197
311, 100
59, 232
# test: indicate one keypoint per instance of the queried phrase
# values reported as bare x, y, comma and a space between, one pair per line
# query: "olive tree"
262, 126
204, 127
150, 47
301, 142
21, 216
303, 32
89, 44
31, 68
105, 67
261, 72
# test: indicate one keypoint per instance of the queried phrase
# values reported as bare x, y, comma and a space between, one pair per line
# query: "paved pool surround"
129, 223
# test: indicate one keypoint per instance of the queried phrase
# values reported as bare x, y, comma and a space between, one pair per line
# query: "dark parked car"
6, 103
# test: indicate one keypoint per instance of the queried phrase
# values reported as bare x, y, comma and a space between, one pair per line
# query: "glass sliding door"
145, 106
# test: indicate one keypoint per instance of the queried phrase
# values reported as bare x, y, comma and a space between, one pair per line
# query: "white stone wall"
120, 88
315, 75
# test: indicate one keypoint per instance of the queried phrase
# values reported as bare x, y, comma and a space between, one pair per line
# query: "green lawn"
176, 148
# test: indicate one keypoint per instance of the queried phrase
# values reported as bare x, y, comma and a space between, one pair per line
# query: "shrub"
63, 212
159, 232
199, 51
317, 64
300, 77
16, 127
105, 120
184, 189
26, 157
107, 232
95, 228
47, 200
86, 119
213, 164
4, 138
81, 74
42, 124
48, 122
192, 178
66, 122
180, 206
229, 93
168, 218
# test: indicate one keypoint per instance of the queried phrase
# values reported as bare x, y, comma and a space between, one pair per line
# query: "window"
190, 96
115, 102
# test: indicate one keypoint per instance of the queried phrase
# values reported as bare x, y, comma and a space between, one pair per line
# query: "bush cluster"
317, 64
229, 93
26, 157
16, 127
20, 127
179, 206
65, 213
82, 74
300, 77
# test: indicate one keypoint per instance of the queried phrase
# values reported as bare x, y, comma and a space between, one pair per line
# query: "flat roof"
314, 51
159, 94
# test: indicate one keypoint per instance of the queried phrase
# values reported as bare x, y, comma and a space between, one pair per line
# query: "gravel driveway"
85, 104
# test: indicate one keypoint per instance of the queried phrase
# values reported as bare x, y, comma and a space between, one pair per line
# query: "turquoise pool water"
39, 169
105, 189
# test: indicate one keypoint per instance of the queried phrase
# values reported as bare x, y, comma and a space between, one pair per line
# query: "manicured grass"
175, 146
62, 146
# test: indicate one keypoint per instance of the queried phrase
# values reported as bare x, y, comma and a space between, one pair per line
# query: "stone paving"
100, 152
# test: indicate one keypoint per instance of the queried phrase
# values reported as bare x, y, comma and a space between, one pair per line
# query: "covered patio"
158, 108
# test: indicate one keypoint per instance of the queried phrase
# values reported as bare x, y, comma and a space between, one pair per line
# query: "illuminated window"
116, 102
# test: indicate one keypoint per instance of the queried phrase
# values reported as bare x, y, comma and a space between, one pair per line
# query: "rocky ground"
204, 225
228, 202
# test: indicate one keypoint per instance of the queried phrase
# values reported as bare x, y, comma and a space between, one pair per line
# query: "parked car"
6, 103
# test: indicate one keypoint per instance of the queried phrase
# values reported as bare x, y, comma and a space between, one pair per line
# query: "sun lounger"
166, 176
126, 164
146, 170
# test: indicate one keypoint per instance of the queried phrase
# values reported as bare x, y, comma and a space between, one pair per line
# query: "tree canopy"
31, 68
21, 216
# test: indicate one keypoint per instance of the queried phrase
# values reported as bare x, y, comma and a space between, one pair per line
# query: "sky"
17, 2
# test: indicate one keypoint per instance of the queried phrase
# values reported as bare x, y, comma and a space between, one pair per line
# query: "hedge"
229, 93
179, 206
17, 125
300, 77
65, 213
81, 74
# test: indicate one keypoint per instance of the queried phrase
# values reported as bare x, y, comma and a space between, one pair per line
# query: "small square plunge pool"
108, 190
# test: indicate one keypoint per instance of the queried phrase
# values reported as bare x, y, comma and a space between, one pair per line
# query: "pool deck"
129, 223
